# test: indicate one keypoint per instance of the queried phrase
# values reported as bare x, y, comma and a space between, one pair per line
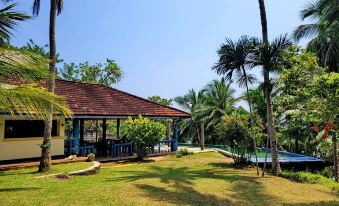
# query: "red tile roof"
86, 99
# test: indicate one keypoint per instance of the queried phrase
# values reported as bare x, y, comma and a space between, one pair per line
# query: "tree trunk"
202, 136
45, 160
276, 170
251, 122
336, 159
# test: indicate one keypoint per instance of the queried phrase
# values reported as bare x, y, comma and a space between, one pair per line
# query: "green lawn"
200, 179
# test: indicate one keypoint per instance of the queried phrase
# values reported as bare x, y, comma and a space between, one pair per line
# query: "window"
27, 128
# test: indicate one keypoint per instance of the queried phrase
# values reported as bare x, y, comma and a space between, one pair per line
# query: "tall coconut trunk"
45, 161
251, 121
336, 158
276, 170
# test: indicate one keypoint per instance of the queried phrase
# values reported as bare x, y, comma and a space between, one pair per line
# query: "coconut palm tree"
268, 55
22, 65
56, 7
217, 102
324, 32
233, 58
189, 102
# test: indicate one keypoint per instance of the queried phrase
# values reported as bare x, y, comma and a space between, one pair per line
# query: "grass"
199, 179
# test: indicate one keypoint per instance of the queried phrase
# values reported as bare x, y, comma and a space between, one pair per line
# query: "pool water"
283, 156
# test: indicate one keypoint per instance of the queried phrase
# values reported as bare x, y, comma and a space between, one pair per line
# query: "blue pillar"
76, 134
175, 138
118, 128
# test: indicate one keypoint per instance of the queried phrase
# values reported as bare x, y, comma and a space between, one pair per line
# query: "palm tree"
233, 58
20, 64
190, 102
268, 56
218, 101
56, 7
324, 30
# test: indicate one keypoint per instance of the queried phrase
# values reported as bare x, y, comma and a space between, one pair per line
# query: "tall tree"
233, 58
106, 74
190, 102
267, 56
56, 7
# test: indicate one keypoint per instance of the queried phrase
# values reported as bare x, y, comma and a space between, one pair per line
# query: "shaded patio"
104, 107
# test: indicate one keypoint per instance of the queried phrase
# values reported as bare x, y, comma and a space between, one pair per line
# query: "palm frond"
31, 100
305, 31
19, 63
8, 21
310, 11
36, 7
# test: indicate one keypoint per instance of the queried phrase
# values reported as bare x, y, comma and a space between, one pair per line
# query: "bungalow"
21, 137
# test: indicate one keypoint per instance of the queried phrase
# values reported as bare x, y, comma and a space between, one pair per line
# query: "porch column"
82, 126
168, 132
76, 134
202, 129
118, 128
104, 128
175, 138
104, 134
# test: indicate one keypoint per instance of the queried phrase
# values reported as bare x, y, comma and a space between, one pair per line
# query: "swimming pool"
283, 156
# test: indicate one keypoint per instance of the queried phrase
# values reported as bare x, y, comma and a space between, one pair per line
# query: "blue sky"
164, 47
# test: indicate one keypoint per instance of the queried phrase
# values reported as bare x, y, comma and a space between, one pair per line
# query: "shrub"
183, 152
144, 133
304, 177
328, 172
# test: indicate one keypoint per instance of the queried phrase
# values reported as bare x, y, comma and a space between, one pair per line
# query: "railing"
86, 150
122, 150
73, 147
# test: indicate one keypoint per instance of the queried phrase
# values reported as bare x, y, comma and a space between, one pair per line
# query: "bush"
183, 152
328, 172
144, 133
303, 177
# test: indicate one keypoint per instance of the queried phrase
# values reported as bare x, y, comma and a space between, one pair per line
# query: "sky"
164, 47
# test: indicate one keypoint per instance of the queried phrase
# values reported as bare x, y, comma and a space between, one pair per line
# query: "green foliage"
26, 66
160, 100
144, 133
328, 172
106, 74
235, 133
325, 149
323, 30
303, 177
183, 152
190, 127
40, 50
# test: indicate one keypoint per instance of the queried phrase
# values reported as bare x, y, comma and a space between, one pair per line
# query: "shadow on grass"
244, 189
16, 172
16, 189
182, 195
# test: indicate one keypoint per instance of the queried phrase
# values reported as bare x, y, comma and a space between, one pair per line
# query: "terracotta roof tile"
94, 99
